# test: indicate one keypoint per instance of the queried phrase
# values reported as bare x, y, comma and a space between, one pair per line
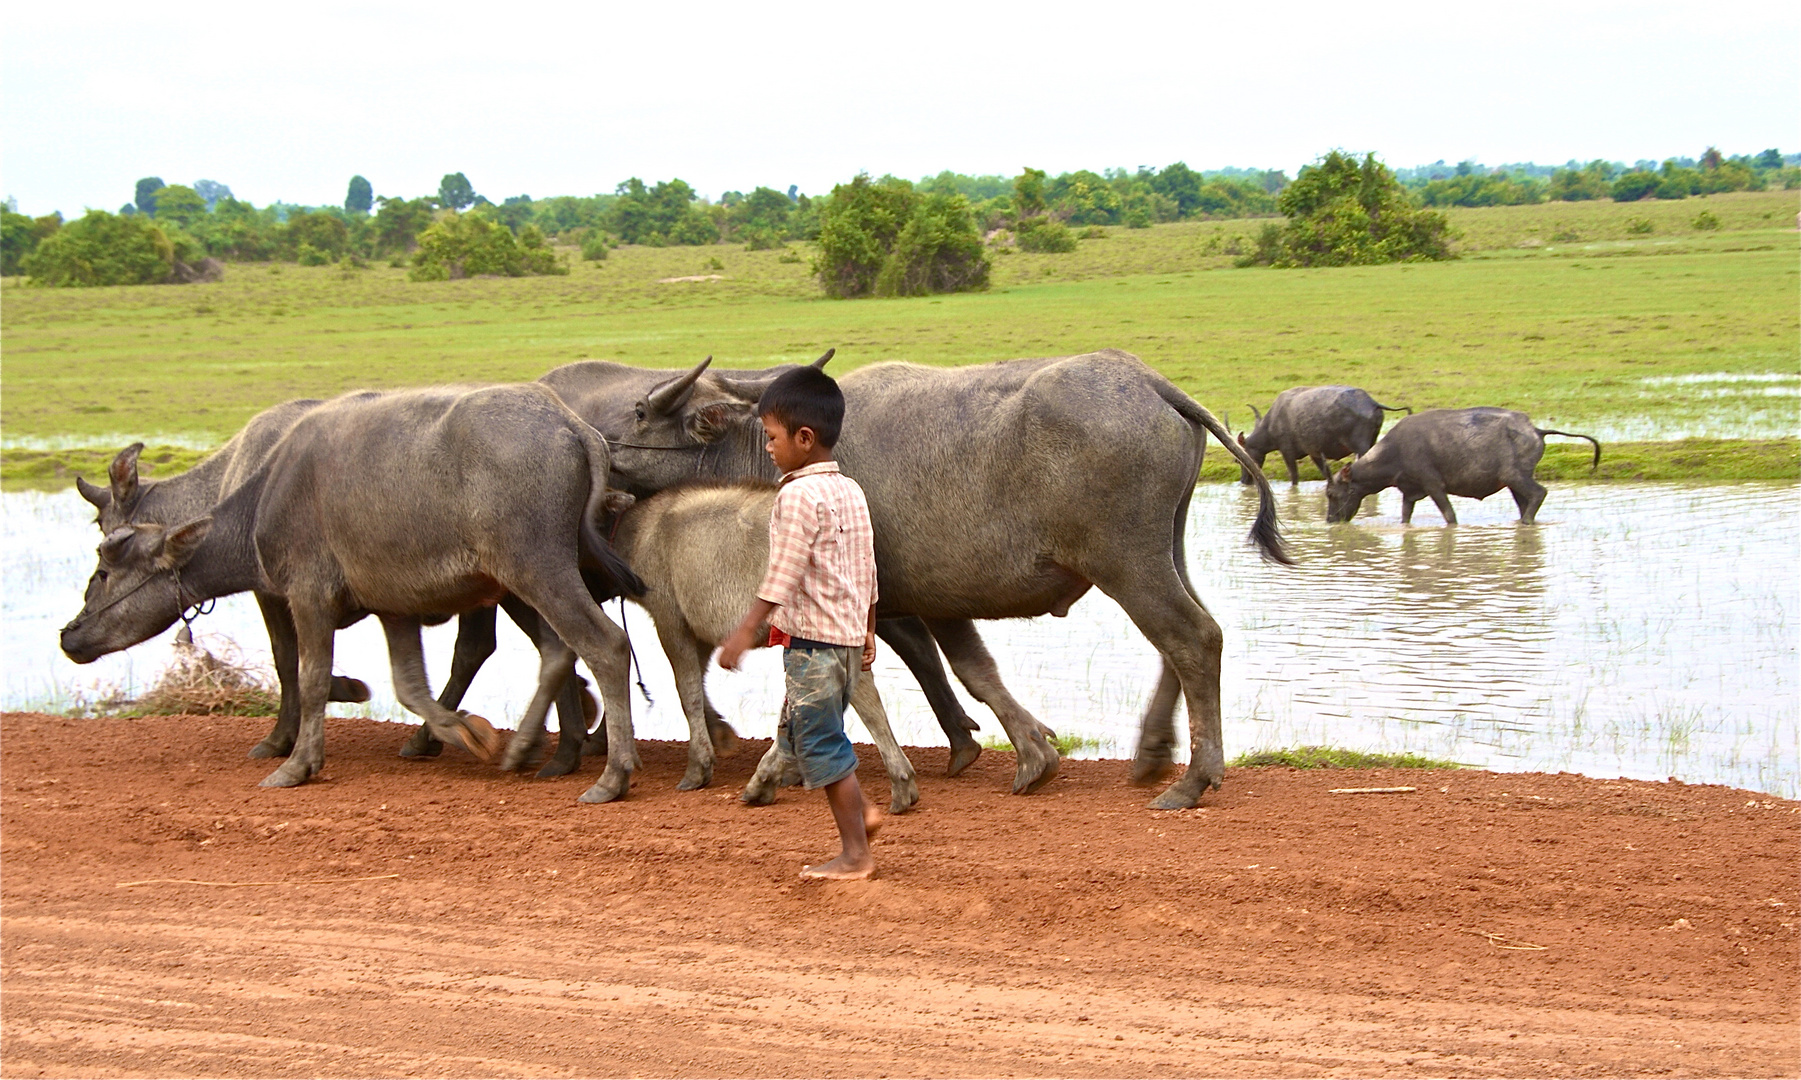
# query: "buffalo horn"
819, 364
670, 396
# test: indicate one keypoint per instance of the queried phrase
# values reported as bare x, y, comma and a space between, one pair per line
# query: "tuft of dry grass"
203, 683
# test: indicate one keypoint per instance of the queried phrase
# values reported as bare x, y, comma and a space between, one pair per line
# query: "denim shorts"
819, 682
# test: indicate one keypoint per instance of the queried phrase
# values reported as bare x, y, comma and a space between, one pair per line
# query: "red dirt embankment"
1486, 925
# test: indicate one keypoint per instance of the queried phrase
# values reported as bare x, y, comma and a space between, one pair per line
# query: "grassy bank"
1635, 337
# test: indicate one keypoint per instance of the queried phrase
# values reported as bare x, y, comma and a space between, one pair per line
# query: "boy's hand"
732, 650
868, 651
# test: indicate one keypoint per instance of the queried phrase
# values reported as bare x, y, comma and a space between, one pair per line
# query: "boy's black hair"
805, 397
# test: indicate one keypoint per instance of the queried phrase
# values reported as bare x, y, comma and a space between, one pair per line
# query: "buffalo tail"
1542, 432
1266, 531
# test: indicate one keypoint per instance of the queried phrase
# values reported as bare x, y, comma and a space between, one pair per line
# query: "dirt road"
1485, 925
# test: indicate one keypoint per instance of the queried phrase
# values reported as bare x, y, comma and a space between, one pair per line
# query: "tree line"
886, 236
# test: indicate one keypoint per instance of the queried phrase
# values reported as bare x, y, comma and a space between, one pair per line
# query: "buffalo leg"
1407, 502
913, 643
1294, 468
1155, 755
1443, 502
1324, 466
556, 667
688, 663
406, 661
1529, 495
280, 624
561, 599
313, 633
475, 643
1038, 760
575, 712
1160, 604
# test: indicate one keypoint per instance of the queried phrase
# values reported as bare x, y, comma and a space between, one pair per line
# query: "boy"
818, 597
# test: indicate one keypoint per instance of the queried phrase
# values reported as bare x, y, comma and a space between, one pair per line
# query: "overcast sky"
288, 102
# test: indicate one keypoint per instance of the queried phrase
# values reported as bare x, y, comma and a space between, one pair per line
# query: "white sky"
287, 102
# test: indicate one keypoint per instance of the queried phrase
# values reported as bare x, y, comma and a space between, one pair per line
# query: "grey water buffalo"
625, 403
1471, 453
412, 505
1323, 423
1008, 490
701, 549
128, 499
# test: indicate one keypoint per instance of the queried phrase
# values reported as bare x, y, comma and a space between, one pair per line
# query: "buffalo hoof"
519, 754
1151, 768
963, 755
344, 689
1030, 776
606, 789
757, 793
423, 744
1185, 794
903, 795
292, 773
478, 736
269, 748
695, 778
559, 765
725, 738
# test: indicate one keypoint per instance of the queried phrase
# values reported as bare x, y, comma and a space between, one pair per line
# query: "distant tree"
360, 198
399, 222
127, 210
454, 191
1182, 184
102, 249
1342, 212
1028, 192
20, 235
1492, 189
179, 204
145, 196
885, 238
665, 214
1592, 181
212, 191
1634, 186
1084, 198
515, 212
1711, 158
1272, 180
470, 245
323, 234
1770, 159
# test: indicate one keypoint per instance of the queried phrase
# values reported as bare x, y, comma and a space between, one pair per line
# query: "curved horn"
94, 493
1255, 413
819, 364
670, 395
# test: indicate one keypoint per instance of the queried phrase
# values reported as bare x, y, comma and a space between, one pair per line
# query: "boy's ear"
805, 437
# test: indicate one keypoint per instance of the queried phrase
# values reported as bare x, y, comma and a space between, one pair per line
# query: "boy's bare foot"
872, 820
843, 868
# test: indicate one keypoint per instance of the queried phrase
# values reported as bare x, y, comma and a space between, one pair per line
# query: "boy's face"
788, 449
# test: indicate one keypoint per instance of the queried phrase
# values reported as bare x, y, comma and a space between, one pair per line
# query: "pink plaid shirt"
821, 557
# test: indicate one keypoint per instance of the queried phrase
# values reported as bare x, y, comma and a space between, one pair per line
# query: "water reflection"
1643, 630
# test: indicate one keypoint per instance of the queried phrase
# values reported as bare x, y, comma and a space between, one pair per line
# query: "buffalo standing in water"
1319, 422
1471, 453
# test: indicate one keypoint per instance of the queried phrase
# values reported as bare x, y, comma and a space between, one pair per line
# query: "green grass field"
1558, 309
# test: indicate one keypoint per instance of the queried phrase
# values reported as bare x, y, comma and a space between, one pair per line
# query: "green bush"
102, 249
1639, 226
470, 245
595, 245
1046, 235
1706, 221
938, 250
308, 255
20, 235
886, 239
1342, 212
1635, 186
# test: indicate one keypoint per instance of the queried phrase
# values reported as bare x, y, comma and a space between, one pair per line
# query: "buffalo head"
135, 592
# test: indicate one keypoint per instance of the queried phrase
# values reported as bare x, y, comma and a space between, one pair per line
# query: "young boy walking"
818, 598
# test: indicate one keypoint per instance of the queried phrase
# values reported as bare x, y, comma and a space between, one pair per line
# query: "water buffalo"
412, 505
1008, 490
1472, 453
129, 500
701, 549
621, 401
1318, 422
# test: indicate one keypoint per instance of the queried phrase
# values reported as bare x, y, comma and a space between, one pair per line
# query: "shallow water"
1642, 630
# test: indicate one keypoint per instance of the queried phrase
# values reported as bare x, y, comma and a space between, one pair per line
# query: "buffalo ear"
617, 502
112, 548
180, 543
1344, 475
123, 473
94, 493
710, 423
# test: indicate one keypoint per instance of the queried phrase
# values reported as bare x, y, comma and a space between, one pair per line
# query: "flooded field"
1637, 630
